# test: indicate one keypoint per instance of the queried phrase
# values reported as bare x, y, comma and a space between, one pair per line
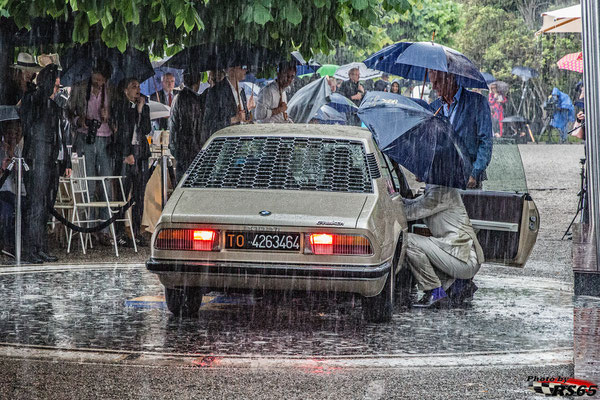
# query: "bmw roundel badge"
265, 213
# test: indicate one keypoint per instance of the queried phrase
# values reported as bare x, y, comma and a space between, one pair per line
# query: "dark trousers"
41, 184
135, 183
7, 217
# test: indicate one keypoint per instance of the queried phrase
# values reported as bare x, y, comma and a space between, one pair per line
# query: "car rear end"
274, 212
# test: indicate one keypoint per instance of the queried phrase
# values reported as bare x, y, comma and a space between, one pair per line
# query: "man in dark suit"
185, 124
133, 125
166, 96
226, 102
40, 117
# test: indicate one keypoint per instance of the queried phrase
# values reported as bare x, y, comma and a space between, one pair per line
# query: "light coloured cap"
27, 62
47, 59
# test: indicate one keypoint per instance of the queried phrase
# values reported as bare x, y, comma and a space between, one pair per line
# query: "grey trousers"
432, 267
98, 162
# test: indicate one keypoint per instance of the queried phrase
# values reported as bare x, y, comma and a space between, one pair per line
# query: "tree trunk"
7, 48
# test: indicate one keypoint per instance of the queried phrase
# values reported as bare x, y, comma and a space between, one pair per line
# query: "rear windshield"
290, 163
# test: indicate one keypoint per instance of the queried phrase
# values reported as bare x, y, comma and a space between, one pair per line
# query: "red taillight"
326, 243
187, 239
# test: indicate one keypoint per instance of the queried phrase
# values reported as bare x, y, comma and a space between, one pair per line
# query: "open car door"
503, 214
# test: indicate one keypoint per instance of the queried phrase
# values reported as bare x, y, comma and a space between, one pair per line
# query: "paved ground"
519, 326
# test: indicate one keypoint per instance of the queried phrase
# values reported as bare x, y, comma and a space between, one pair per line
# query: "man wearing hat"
23, 74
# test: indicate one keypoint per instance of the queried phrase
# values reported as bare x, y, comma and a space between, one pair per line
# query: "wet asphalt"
113, 309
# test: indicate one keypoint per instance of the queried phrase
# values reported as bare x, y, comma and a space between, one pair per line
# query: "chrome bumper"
364, 280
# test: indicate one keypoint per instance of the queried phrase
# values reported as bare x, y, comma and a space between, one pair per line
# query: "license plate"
262, 241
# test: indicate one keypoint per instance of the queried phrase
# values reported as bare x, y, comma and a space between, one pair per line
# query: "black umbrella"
414, 136
211, 56
77, 63
525, 73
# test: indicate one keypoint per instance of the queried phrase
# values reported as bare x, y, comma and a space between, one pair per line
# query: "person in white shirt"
272, 99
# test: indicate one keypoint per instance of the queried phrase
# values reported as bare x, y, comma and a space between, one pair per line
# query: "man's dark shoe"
124, 241
104, 239
436, 298
31, 258
45, 257
141, 241
462, 291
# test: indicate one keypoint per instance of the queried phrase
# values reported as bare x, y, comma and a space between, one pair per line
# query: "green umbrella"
327, 69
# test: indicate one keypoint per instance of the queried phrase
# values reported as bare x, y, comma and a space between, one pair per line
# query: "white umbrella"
158, 110
564, 20
365, 73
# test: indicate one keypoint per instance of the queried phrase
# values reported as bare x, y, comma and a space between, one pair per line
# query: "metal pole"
18, 211
590, 12
164, 164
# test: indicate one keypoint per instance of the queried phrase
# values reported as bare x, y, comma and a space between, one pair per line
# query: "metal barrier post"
164, 165
20, 164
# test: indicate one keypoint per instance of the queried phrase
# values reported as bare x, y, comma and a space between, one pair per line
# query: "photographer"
89, 107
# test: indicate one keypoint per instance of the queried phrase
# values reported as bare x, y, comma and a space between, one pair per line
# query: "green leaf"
261, 14
360, 4
93, 18
292, 13
73, 4
136, 15
81, 28
178, 20
320, 3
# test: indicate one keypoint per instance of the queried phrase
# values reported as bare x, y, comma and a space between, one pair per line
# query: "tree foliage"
310, 25
499, 36
416, 23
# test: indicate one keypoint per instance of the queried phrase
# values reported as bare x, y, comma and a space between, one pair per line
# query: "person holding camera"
89, 108
40, 118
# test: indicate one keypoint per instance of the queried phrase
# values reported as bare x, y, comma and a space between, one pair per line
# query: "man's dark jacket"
221, 107
126, 118
163, 123
185, 124
349, 89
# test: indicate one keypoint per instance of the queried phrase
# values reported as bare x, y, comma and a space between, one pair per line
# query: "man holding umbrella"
469, 114
226, 102
272, 100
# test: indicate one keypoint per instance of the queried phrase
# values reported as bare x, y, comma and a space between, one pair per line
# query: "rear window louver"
373, 166
288, 163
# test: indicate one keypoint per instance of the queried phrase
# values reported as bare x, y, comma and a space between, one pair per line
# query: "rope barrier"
104, 224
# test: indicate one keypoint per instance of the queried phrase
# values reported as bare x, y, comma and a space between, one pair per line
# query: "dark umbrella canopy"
414, 137
211, 56
342, 103
307, 101
330, 116
412, 59
77, 63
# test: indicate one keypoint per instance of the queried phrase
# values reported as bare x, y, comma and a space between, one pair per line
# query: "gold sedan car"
315, 208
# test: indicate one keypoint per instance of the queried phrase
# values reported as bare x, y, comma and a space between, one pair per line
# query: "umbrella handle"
438, 110
424, 80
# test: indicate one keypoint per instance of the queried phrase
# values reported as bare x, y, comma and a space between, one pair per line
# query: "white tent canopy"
365, 73
564, 20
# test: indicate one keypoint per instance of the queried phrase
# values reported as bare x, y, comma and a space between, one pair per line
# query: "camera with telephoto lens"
93, 125
551, 104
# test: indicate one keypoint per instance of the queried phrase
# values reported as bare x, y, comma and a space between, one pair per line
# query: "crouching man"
443, 264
